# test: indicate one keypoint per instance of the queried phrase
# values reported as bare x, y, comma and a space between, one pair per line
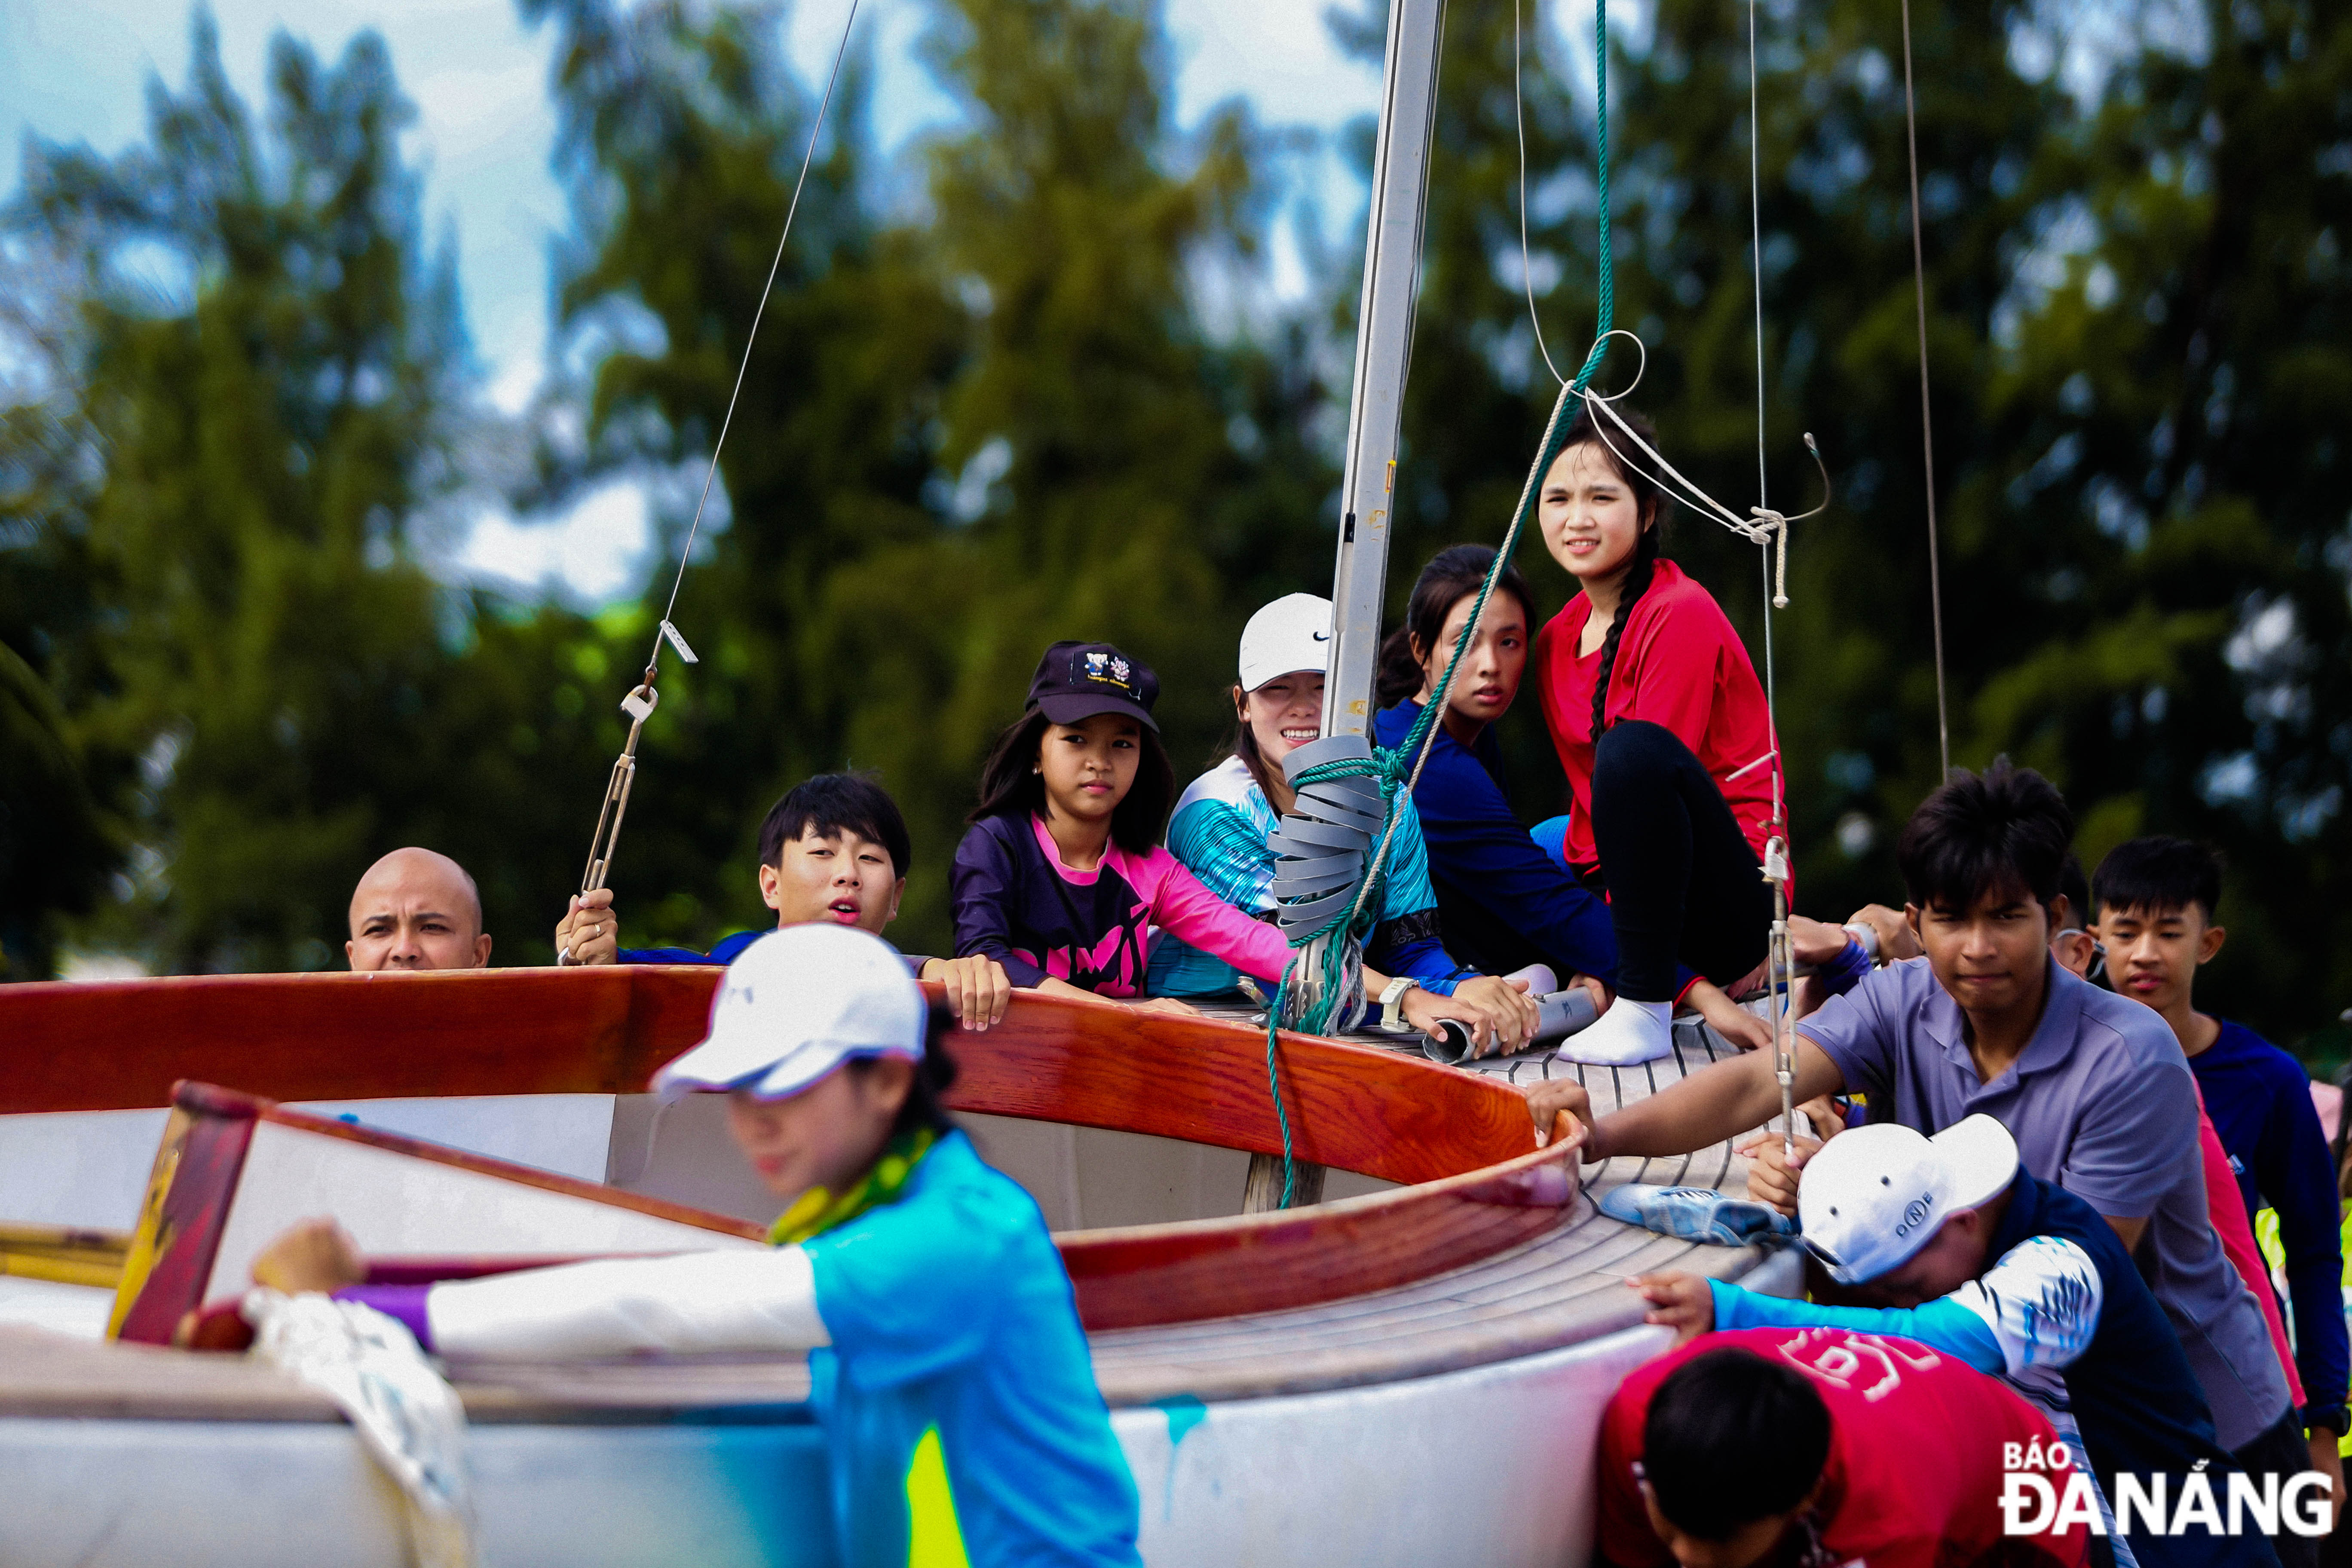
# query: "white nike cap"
1293, 633
796, 1004
1876, 1194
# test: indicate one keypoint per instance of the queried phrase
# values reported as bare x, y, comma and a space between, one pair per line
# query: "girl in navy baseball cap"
1062, 877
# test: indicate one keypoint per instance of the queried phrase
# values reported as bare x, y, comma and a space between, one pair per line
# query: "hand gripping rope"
642, 699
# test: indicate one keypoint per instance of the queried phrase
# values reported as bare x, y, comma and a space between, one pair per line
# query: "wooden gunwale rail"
1473, 1182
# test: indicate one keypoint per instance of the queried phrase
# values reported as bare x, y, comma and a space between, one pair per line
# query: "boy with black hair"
1813, 1446
2158, 897
834, 847
2095, 1091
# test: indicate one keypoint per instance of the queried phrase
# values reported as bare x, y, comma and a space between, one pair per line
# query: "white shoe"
1628, 1033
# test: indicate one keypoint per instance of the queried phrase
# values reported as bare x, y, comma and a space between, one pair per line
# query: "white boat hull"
1487, 1467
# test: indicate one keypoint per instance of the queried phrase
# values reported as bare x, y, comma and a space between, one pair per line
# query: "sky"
79, 72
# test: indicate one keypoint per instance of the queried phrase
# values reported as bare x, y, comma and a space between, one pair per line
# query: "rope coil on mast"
642, 699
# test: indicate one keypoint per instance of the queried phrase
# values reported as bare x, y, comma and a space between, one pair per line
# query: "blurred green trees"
256, 395
2137, 321
989, 407
960, 438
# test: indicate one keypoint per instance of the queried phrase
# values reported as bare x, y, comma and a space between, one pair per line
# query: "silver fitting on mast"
639, 705
1779, 974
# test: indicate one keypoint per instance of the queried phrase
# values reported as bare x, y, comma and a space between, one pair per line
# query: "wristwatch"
1393, 1003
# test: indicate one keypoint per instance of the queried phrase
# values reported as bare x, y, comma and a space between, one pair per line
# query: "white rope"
1778, 970
1926, 408
1527, 268
408, 1418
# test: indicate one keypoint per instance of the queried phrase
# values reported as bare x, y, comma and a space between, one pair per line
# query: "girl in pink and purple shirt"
1062, 877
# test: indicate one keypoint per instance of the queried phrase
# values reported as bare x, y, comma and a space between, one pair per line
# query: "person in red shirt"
1805, 1448
1661, 726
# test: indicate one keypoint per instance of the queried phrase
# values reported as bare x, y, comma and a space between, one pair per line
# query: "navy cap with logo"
1077, 680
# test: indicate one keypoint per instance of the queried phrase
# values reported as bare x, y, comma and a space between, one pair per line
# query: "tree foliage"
964, 433
259, 425
992, 403
2134, 329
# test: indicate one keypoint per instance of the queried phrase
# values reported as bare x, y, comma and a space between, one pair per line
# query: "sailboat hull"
1416, 1376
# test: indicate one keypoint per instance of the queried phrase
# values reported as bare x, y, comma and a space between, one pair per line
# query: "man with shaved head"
416, 909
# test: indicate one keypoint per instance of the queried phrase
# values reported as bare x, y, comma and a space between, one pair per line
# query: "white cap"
796, 1004
1293, 633
1877, 1193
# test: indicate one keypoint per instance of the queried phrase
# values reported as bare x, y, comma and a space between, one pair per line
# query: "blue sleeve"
1941, 1324
663, 955
1846, 971
981, 889
907, 1292
1475, 842
2294, 1171
1410, 945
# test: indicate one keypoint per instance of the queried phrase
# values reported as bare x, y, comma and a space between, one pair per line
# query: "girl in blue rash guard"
950, 1374
1223, 821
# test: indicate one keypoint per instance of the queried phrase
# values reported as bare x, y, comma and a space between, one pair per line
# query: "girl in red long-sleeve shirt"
1661, 726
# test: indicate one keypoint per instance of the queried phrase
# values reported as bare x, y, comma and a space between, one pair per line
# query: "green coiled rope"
1401, 767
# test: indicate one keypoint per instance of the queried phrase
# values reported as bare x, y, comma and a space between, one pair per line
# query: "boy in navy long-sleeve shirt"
2156, 900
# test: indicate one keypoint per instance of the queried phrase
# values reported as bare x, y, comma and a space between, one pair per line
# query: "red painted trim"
194, 1213
122, 1044
417, 1269
1399, 1118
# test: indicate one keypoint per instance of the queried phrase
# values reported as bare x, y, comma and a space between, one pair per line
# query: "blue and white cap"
796, 1004
1876, 1194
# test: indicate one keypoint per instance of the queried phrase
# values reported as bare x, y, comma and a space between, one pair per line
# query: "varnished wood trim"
123, 1045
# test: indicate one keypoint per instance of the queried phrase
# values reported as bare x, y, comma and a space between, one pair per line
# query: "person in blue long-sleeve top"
1503, 901
2156, 901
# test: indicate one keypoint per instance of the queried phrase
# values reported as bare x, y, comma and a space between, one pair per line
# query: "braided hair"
1649, 506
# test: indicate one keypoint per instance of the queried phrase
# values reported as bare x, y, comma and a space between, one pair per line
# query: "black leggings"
1682, 882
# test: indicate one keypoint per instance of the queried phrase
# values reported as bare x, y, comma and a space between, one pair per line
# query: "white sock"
1630, 1032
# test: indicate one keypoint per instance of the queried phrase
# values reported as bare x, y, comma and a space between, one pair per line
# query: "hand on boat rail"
310, 1255
1682, 1301
1554, 1099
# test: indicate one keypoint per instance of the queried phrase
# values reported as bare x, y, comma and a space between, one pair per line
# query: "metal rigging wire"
1926, 411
